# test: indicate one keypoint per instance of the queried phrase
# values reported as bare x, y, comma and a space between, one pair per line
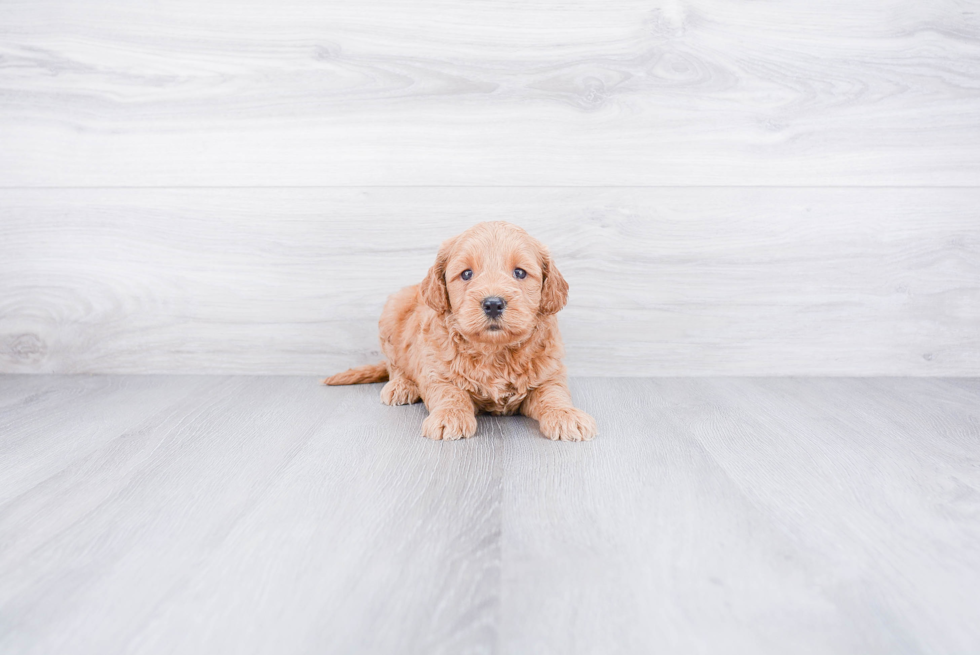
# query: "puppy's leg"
400, 390
451, 413
551, 405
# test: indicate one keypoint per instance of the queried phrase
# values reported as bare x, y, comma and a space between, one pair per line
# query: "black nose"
493, 306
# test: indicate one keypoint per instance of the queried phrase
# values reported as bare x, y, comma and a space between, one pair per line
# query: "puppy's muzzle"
493, 306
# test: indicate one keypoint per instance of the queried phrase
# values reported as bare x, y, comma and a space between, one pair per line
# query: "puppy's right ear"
433, 288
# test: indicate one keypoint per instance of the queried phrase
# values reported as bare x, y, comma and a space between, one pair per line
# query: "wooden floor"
147, 514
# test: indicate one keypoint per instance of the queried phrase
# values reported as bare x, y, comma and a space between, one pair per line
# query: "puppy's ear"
554, 288
433, 288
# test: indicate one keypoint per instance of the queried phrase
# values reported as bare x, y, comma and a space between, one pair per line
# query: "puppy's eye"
467, 274
520, 273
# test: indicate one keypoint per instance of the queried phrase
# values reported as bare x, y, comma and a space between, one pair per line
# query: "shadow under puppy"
479, 334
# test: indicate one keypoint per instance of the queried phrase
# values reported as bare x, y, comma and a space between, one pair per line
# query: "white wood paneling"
156, 514
170, 144
756, 281
622, 92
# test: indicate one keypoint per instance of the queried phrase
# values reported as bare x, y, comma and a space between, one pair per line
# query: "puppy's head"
495, 281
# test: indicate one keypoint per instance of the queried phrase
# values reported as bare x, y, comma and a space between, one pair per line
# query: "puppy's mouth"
493, 327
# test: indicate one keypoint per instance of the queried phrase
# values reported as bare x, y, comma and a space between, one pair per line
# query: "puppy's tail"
360, 375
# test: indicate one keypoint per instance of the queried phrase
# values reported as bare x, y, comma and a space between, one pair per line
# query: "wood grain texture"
259, 489
157, 514
738, 516
708, 92
663, 281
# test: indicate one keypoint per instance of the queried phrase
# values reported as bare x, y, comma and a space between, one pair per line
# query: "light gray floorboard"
247, 501
724, 515
557, 92
735, 515
721, 281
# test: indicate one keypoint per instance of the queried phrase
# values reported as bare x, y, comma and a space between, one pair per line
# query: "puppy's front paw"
567, 424
449, 424
400, 391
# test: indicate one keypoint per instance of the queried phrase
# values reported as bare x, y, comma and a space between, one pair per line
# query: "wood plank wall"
751, 188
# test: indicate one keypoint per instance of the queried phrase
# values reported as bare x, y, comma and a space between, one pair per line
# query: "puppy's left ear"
433, 288
554, 288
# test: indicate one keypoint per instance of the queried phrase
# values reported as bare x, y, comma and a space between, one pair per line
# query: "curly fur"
441, 347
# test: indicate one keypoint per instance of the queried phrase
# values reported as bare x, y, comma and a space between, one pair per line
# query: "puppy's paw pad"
568, 425
449, 424
400, 391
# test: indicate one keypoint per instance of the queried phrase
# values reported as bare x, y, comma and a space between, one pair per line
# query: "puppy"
479, 334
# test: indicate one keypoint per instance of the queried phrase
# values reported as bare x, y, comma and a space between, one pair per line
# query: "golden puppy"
479, 334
